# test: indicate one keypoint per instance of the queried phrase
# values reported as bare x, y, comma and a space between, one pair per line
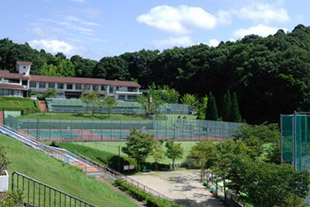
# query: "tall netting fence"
122, 107
295, 139
118, 130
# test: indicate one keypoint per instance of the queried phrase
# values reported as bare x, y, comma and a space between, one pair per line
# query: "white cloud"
53, 46
224, 17
178, 20
263, 12
214, 42
261, 30
183, 41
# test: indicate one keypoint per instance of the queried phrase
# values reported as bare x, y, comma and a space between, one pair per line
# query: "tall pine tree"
235, 113
226, 107
211, 112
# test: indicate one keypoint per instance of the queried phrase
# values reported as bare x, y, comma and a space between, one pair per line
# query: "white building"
19, 83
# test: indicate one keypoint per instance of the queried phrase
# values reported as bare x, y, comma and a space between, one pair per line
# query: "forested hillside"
269, 75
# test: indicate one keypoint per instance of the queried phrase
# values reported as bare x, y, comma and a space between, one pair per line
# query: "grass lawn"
112, 148
81, 116
62, 176
18, 104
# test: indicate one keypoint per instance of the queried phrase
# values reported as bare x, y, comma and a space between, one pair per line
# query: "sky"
97, 28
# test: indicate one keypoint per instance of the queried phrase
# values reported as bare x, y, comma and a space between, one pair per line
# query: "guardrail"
37, 193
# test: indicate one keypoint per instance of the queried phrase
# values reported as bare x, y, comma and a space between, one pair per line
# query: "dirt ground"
181, 186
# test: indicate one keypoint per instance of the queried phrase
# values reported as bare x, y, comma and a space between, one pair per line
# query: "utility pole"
119, 158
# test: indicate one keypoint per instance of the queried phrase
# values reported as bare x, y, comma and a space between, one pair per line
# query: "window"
111, 89
33, 84
24, 82
51, 85
117, 88
132, 89
121, 97
86, 87
13, 80
103, 88
132, 97
95, 87
78, 86
41, 85
60, 86
24, 67
69, 86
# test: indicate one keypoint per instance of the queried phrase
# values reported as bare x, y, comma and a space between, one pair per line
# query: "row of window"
10, 92
129, 97
69, 86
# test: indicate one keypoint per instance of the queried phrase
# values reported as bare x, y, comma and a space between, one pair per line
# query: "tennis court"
50, 133
118, 130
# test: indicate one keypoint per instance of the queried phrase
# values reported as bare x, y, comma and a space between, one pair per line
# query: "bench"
146, 170
164, 169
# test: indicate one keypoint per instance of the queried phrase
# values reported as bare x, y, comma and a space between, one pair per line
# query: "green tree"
261, 139
202, 107
152, 100
158, 153
190, 100
226, 107
49, 93
174, 151
206, 155
139, 146
109, 103
92, 99
113, 68
211, 112
295, 201
235, 113
170, 95
266, 184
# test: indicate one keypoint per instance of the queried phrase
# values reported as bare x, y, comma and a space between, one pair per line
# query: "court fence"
122, 107
118, 130
295, 141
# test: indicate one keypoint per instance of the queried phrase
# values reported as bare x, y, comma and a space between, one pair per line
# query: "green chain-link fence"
295, 139
115, 130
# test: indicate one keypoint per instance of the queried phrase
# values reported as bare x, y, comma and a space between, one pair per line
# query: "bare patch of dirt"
184, 187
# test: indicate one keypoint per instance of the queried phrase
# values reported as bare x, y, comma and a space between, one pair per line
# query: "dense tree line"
269, 75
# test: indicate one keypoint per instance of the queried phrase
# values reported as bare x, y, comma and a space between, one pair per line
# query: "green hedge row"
150, 200
26, 105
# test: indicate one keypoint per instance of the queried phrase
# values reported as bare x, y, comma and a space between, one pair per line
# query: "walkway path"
183, 187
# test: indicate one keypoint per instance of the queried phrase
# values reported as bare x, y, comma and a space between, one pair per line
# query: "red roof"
90, 81
23, 63
11, 86
56, 79
7, 74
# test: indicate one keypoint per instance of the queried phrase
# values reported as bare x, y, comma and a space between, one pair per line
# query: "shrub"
3, 161
14, 199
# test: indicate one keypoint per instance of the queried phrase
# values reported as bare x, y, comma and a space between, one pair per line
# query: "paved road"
182, 186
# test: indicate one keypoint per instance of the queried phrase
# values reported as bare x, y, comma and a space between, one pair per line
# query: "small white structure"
4, 182
23, 67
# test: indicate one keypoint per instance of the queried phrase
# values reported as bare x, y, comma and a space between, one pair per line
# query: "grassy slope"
14, 103
112, 148
80, 116
59, 175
